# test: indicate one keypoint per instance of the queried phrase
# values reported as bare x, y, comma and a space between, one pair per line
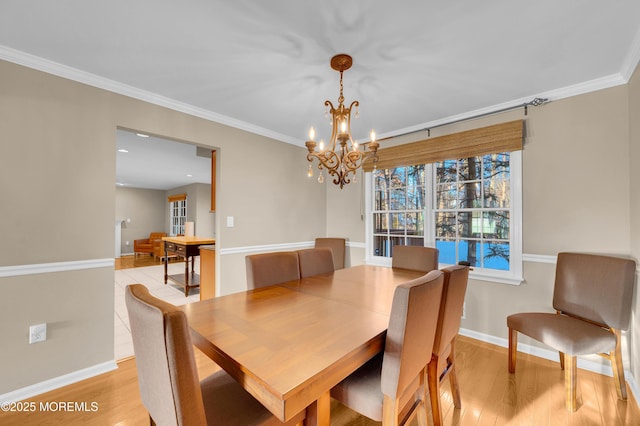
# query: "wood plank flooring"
490, 395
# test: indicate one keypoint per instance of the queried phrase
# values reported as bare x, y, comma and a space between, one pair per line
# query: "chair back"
454, 289
315, 261
411, 331
271, 268
594, 287
337, 246
167, 372
418, 258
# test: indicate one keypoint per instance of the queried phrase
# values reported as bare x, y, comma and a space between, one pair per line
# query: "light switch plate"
37, 333
229, 221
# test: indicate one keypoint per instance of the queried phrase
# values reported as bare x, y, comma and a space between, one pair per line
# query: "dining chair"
443, 362
592, 298
418, 258
315, 261
337, 246
266, 269
391, 387
168, 377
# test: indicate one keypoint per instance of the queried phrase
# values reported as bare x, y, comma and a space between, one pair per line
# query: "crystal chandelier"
344, 160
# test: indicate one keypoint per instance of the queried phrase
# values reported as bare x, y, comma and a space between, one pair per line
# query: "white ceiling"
263, 66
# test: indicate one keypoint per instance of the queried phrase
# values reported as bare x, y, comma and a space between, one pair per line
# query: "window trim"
513, 276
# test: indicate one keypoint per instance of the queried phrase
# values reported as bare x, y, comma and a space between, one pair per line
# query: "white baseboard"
551, 355
58, 382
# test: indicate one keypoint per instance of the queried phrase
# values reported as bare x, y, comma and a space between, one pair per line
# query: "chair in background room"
168, 377
271, 268
145, 245
417, 258
390, 382
315, 261
337, 246
592, 298
443, 362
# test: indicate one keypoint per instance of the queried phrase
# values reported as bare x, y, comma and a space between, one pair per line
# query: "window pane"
415, 242
380, 223
469, 224
496, 255
496, 193
469, 168
446, 224
398, 199
469, 195
447, 196
469, 250
397, 178
380, 246
381, 201
496, 225
496, 166
446, 251
415, 223
397, 223
446, 171
415, 198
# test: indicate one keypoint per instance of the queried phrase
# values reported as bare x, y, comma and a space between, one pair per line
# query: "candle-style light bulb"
312, 134
321, 145
355, 145
343, 126
373, 136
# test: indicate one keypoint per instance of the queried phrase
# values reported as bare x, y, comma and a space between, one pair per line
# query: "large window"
469, 208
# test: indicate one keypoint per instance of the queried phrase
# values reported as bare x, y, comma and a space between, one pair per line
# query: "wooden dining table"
290, 343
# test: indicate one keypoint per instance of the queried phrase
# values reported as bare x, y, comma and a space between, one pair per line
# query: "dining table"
289, 344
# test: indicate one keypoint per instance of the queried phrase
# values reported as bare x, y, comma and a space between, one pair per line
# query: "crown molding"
70, 73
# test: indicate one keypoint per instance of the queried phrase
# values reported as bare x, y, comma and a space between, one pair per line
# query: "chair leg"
570, 382
453, 382
390, 411
434, 390
618, 370
513, 349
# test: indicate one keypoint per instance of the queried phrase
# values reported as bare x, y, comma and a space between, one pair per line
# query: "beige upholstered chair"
395, 379
415, 257
271, 268
592, 298
168, 376
337, 246
315, 261
443, 362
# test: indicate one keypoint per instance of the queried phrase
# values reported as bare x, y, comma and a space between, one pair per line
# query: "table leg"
166, 261
319, 413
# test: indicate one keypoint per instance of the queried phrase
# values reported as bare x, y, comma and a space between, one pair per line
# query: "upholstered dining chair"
418, 258
266, 269
390, 382
337, 246
592, 298
443, 362
168, 377
315, 261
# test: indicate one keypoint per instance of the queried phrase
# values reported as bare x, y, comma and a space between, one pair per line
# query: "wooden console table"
184, 247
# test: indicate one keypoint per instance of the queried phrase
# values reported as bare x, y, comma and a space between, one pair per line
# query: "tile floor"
153, 278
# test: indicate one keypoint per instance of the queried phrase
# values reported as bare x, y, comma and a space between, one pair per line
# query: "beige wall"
57, 168
146, 210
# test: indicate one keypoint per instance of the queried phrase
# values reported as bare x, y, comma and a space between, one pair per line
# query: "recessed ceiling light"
189, 175
123, 150
142, 135
120, 184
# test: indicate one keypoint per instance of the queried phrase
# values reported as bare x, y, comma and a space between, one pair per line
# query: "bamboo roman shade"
504, 137
177, 197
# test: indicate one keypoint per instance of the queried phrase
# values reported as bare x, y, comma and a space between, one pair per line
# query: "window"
177, 214
468, 208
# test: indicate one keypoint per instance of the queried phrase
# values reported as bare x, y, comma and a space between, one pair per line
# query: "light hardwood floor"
490, 395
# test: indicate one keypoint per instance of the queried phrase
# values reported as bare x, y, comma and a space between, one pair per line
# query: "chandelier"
345, 159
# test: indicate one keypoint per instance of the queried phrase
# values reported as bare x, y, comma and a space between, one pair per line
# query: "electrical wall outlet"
37, 333
464, 310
